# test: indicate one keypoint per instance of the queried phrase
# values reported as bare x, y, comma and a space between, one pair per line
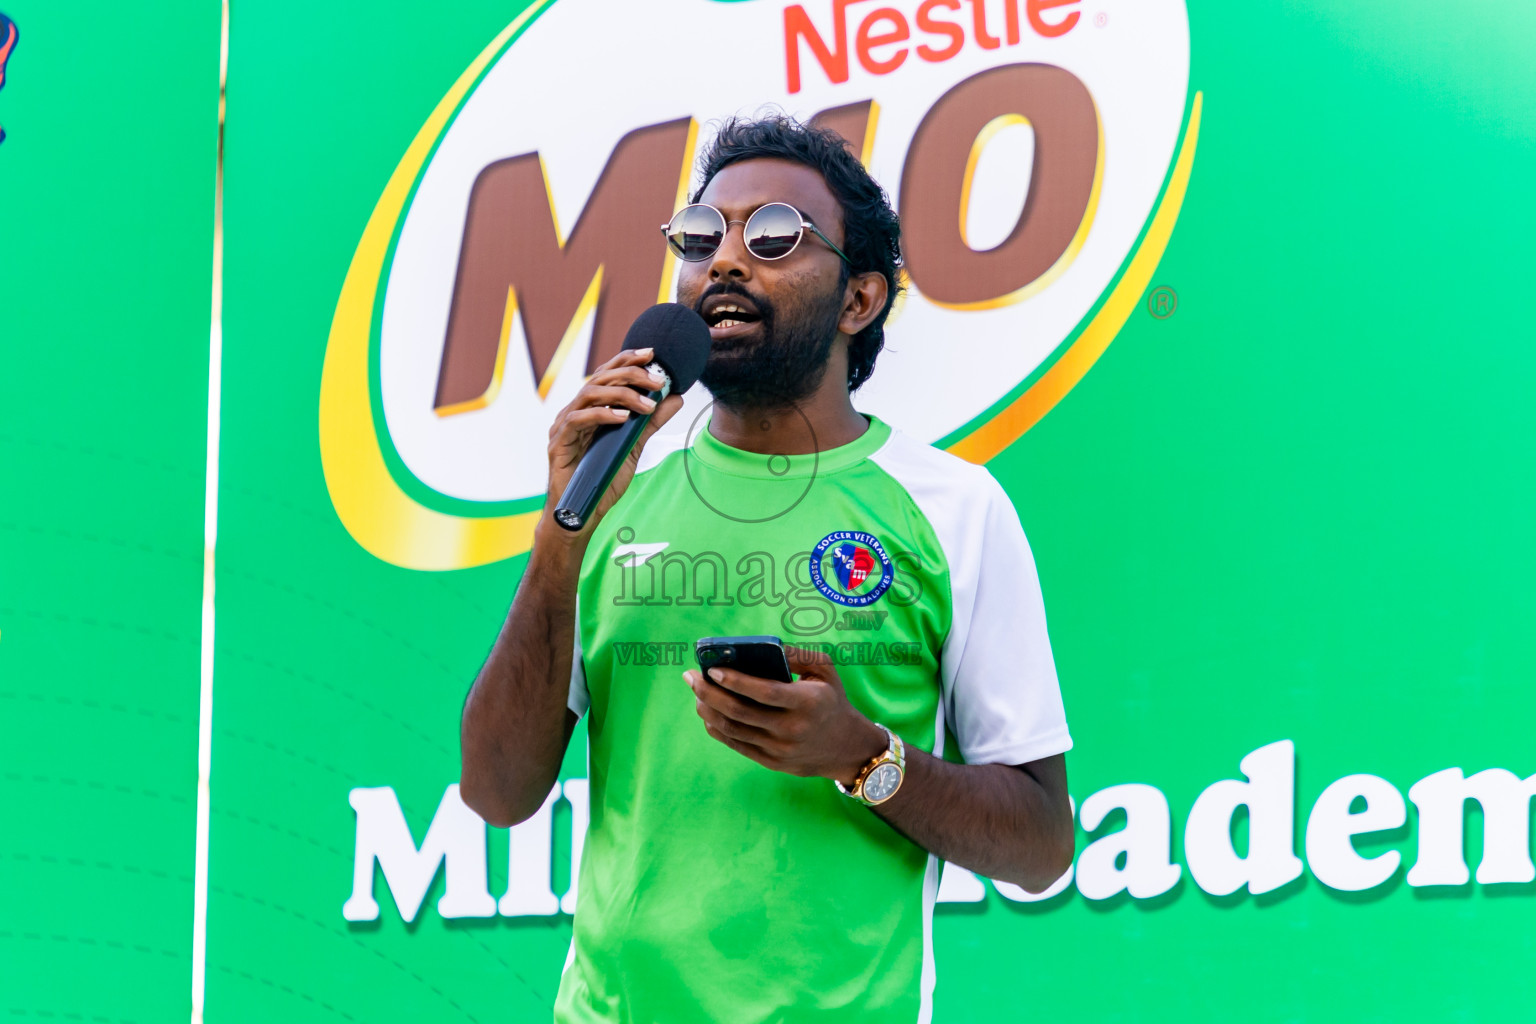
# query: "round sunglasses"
771, 233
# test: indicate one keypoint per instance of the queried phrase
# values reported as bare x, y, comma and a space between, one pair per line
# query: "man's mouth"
728, 315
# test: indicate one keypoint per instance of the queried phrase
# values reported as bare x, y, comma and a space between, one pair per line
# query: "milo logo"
1036, 153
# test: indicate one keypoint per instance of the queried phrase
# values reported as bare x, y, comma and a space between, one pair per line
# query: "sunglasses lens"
773, 231
696, 232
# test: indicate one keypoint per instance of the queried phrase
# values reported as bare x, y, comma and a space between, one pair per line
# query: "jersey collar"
719, 456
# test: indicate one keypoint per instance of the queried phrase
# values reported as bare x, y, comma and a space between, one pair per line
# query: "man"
727, 875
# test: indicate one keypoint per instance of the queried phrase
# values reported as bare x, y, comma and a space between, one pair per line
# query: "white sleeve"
1002, 697
999, 689
578, 699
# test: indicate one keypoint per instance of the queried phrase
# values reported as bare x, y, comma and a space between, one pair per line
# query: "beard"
785, 359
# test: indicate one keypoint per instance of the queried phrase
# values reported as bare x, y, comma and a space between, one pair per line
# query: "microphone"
680, 341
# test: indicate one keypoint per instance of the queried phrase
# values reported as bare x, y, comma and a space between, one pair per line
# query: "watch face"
882, 782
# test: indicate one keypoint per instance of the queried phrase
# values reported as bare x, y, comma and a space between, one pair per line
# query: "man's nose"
731, 260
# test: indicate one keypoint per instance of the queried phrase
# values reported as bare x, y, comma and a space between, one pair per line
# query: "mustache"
760, 302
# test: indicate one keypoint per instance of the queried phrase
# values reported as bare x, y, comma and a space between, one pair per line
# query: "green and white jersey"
714, 889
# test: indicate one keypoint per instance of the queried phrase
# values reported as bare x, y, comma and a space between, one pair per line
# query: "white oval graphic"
584, 76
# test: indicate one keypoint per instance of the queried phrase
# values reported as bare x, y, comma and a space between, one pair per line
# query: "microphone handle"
610, 446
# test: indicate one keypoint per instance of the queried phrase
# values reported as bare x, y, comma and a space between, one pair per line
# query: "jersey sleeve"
578, 699
1003, 700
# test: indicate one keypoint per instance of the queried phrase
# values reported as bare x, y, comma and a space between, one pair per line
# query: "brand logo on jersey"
632, 555
851, 568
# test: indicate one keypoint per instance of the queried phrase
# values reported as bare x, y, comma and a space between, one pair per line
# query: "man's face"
772, 349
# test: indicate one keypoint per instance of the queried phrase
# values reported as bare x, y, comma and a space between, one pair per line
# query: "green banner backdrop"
1265, 418
1287, 504
110, 119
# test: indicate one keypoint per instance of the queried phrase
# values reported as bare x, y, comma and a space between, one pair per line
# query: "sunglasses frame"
805, 225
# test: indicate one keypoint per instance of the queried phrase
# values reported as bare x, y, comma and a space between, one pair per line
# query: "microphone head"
680, 338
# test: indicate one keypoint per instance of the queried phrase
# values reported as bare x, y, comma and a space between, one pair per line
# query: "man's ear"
863, 300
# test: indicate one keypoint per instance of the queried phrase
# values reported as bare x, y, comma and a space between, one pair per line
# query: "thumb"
808, 662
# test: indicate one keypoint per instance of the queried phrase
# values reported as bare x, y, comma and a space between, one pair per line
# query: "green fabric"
712, 888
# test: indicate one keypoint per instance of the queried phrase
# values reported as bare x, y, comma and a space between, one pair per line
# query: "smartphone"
761, 656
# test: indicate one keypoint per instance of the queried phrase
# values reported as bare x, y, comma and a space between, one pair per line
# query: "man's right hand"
516, 723
608, 397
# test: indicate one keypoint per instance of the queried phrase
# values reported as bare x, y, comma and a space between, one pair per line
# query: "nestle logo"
889, 30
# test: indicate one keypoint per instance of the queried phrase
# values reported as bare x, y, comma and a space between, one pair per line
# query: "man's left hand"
805, 728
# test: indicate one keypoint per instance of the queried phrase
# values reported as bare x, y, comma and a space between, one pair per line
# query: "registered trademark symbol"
1101, 19
1162, 302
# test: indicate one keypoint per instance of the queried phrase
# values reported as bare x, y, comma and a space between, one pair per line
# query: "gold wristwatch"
881, 778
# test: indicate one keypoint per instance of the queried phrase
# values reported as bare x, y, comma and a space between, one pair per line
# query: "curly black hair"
871, 229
